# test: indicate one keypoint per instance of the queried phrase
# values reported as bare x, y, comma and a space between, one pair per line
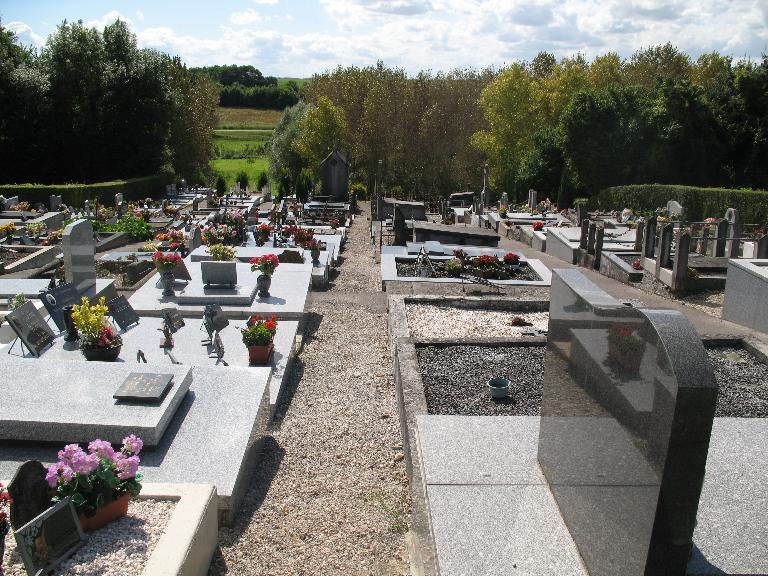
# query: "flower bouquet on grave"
98, 340
625, 350
485, 266
264, 231
503, 212
259, 336
8, 230
511, 259
165, 262
5, 501
303, 237
538, 225
266, 265
99, 482
334, 222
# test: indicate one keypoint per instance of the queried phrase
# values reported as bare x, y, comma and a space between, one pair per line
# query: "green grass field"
248, 118
300, 82
229, 169
240, 143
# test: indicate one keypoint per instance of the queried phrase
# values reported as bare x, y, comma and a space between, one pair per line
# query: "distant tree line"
92, 106
567, 128
246, 87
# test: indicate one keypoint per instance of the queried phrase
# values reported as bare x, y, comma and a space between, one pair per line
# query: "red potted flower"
538, 225
511, 259
625, 350
259, 336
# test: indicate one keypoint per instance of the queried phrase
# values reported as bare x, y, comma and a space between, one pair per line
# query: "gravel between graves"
455, 379
743, 382
434, 321
330, 495
121, 548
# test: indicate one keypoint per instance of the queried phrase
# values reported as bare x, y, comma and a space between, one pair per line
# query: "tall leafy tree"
322, 129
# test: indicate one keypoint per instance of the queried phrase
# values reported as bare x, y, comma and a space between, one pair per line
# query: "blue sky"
299, 37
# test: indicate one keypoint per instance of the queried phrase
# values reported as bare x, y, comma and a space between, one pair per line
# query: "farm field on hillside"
248, 118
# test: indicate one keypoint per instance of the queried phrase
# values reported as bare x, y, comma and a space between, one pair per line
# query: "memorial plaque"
180, 272
50, 538
173, 319
626, 460
144, 387
29, 493
31, 328
58, 298
122, 312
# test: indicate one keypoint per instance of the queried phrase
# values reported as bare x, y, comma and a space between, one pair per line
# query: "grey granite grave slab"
746, 293
78, 246
288, 294
626, 470
561, 246
196, 446
72, 402
476, 449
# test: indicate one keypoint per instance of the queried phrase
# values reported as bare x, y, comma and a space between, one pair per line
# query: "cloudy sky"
299, 37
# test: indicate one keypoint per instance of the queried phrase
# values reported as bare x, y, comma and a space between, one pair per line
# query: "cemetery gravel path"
330, 493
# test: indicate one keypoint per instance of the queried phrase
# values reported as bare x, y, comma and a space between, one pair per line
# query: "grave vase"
115, 510
315, 252
259, 355
97, 354
263, 282
166, 280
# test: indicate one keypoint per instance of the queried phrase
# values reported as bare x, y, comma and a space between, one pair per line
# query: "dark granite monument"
628, 404
334, 176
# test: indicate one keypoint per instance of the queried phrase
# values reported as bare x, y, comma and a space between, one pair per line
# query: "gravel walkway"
119, 549
433, 321
455, 379
743, 382
330, 495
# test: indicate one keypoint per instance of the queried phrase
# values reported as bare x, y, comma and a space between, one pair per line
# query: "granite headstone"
79, 255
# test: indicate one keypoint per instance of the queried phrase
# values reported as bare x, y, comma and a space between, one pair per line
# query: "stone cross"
79, 255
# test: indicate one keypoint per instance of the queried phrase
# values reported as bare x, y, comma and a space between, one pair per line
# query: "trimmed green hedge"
698, 203
77, 194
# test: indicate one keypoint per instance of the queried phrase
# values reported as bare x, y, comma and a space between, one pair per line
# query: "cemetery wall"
77, 194
698, 203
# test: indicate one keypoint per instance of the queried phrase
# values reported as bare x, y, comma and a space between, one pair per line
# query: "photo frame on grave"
122, 312
50, 538
56, 299
31, 328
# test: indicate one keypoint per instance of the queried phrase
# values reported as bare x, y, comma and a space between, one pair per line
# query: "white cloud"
108, 19
139, 15
265, 2
25, 33
248, 16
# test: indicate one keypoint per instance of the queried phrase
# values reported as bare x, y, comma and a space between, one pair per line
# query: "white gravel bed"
121, 548
434, 321
710, 302
330, 496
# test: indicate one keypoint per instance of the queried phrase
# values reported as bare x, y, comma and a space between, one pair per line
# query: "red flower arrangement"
485, 261
511, 258
108, 339
265, 264
538, 225
166, 260
264, 229
636, 264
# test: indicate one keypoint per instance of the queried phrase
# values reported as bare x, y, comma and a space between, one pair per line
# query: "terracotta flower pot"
106, 514
260, 354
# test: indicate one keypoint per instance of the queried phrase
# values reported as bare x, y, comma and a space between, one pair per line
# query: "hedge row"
76, 194
698, 203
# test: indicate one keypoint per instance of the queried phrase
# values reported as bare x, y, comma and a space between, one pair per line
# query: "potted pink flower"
99, 482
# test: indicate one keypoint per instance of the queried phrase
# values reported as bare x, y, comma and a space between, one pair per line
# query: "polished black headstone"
50, 538
180, 271
627, 410
144, 387
58, 298
31, 327
122, 312
29, 493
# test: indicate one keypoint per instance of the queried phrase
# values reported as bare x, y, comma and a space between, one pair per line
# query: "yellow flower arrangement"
90, 318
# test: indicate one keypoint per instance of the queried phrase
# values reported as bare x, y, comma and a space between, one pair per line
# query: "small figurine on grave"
167, 341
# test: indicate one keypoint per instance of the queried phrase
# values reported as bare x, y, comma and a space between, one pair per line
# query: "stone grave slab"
626, 475
290, 285
72, 402
196, 445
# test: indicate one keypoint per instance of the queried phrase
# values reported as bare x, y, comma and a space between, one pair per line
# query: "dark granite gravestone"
29, 493
50, 538
144, 387
122, 312
30, 327
290, 257
627, 410
180, 272
57, 298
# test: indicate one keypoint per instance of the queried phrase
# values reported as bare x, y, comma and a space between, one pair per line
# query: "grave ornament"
144, 387
29, 493
30, 327
122, 312
50, 538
